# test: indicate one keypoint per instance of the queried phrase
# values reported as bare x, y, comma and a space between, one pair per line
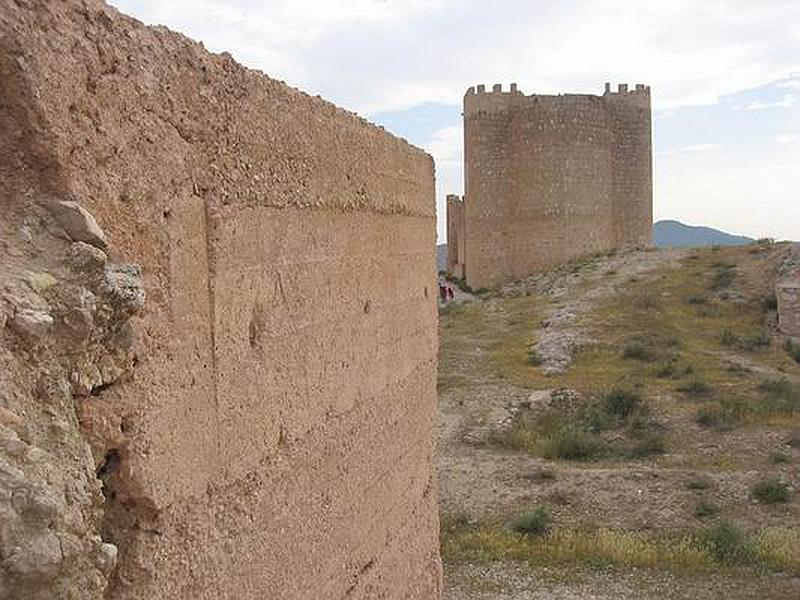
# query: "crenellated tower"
549, 178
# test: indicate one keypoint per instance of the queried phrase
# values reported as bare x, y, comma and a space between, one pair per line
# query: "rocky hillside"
635, 411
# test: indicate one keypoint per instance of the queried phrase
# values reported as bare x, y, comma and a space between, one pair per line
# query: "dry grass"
775, 548
660, 316
663, 333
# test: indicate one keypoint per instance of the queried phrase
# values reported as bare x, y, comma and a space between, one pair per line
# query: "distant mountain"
676, 234
672, 234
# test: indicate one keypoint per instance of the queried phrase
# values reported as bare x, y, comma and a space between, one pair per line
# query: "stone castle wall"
276, 436
788, 293
552, 178
455, 236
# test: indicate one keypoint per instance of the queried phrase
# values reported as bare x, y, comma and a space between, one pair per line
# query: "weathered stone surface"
107, 558
86, 257
274, 439
33, 324
124, 284
788, 293
78, 222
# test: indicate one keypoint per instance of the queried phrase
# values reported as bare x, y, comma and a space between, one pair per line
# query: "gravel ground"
519, 582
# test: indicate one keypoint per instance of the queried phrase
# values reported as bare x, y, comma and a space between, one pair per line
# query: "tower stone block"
549, 179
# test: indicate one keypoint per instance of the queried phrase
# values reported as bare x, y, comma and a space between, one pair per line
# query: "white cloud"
791, 83
377, 55
382, 55
446, 146
788, 101
691, 149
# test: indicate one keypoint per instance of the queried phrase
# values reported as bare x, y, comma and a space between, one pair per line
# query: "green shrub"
534, 358
728, 544
533, 522
723, 277
453, 523
695, 387
769, 302
704, 508
793, 348
759, 339
728, 338
651, 444
595, 419
639, 351
781, 388
779, 396
780, 458
771, 491
673, 369
698, 484
713, 417
699, 299
574, 444
622, 402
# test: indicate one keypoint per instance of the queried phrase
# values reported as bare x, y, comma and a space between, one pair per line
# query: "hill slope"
676, 234
625, 406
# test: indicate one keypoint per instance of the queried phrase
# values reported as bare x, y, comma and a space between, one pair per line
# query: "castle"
548, 179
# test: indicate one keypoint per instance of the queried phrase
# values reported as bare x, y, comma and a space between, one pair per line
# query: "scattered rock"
79, 318
9, 418
39, 556
85, 378
25, 234
565, 400
79, 224
41, 282
85, 257
124, 284
32, 323
107, 557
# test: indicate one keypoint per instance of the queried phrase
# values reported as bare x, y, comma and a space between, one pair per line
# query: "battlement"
479, 98
622, 89
497, 88
514, 90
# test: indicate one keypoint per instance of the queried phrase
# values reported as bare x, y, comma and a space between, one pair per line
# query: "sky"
725, 79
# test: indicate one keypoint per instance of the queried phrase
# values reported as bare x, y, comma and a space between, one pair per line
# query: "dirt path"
520, 582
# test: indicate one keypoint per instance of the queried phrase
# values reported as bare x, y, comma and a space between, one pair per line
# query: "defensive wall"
273, 437
788, 293
455, 236
551, 178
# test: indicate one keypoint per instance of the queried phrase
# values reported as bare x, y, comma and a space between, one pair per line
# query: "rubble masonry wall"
276, 436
